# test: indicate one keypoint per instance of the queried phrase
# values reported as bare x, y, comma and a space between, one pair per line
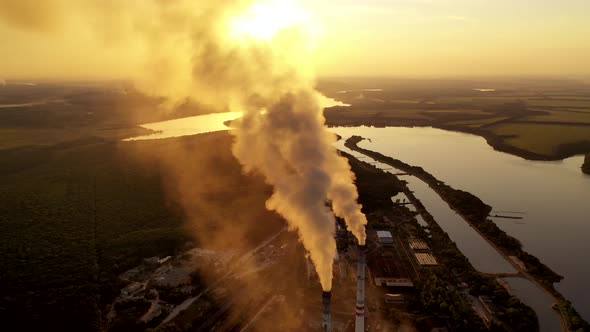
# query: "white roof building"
384, 237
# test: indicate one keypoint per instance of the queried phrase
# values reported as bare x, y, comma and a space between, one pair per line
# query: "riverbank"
440, 290
497, 142
475, 212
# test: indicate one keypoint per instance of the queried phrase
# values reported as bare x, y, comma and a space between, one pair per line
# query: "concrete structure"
359, 325
425, 259
418, 245
394, 282
386, 269
384, 238
394, 298
326, 312
174, 277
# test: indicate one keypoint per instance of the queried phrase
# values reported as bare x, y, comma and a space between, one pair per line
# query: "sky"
454, 37
401, 38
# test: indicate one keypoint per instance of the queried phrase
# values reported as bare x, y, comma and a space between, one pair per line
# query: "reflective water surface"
553, 198
188, 126
536, 298
479, 252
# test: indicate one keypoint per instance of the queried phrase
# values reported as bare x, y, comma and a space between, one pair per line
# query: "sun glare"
265, 19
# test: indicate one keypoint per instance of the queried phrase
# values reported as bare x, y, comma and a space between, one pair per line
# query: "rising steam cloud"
194, 50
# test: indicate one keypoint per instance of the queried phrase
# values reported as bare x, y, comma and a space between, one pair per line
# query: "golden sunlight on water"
201, 124
188, 126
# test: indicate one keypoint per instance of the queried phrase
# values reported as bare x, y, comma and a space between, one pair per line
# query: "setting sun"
265, 19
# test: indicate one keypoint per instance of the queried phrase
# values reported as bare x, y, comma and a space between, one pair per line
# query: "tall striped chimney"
359, 325
326, 312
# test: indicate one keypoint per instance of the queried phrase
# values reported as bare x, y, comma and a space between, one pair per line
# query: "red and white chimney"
359, 325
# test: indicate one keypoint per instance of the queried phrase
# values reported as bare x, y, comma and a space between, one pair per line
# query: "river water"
192, 125
537, 299
553, 198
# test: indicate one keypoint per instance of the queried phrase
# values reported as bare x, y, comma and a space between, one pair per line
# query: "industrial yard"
200, 289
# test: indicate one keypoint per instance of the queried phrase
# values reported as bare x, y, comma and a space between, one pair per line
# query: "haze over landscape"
284, 165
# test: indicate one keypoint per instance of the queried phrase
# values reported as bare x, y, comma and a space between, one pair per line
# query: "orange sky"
370, 37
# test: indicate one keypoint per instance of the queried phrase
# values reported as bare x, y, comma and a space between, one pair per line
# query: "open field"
560, 103
477, 123
535, 119
571, 116
542, 139
51, 113
11, 138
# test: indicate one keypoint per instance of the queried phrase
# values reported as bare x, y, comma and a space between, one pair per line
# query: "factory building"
387, 270
385, 238
425, 259
418, 245
394, 298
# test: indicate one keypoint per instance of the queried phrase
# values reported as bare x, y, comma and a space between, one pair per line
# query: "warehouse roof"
382, 234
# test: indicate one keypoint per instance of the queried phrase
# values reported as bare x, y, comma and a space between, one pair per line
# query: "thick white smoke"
239, 55
290, 145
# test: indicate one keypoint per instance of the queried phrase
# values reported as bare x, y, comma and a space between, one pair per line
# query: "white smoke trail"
241, 55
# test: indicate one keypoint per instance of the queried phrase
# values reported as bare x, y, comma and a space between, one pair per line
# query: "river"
478, 251
551, 197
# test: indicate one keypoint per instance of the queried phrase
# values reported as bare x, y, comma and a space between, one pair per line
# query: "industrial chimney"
359, 325
326, 312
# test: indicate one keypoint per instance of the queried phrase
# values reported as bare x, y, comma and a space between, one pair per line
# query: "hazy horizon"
91, 40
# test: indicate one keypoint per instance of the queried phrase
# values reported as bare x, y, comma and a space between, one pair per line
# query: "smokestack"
326, 312
359, 325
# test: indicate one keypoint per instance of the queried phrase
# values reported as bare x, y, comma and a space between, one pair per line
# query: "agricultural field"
560, 103
568, 116
542, 139
477, 123
535, 119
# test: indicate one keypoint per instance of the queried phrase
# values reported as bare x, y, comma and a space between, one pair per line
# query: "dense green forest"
75, 215
72, 216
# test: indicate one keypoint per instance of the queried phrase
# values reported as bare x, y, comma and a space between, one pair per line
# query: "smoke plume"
240, 55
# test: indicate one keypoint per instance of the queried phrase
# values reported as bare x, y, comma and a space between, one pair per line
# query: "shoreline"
546, 283
493, 140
